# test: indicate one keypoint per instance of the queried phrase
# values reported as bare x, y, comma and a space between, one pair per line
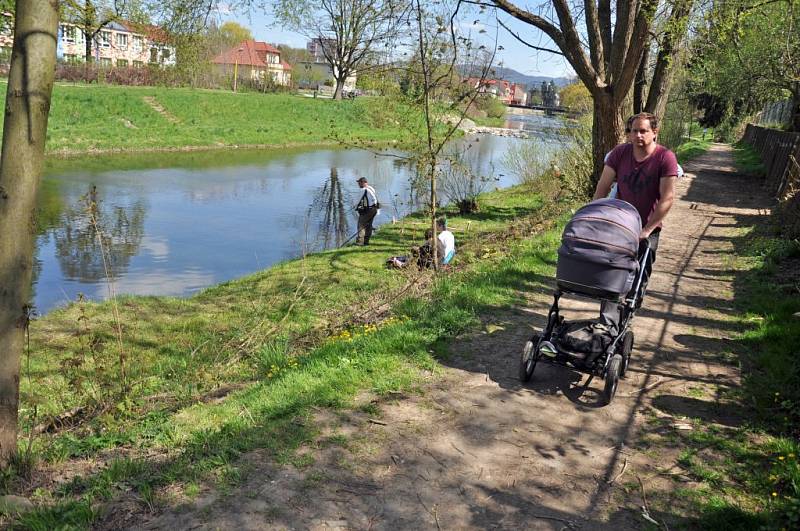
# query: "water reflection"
95, 237
330, 209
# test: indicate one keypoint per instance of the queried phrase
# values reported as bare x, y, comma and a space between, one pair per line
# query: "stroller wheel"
625, 352
612, 378
530, 355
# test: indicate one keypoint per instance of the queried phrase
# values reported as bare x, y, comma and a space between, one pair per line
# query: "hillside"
514, 76
107, 118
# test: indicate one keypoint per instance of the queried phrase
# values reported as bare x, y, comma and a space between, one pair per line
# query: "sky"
514, 54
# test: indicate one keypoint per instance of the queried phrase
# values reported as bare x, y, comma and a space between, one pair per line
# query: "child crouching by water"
445, 249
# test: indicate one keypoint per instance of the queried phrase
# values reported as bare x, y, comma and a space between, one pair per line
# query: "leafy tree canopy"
748, 54
232, 33
576, 97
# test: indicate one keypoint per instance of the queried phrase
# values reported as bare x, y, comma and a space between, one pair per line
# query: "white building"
120, 44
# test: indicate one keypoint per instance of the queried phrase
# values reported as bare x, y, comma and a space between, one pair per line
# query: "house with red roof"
256, 61
498, 88
506, 91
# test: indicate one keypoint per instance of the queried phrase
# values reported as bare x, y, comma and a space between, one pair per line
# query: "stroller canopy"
599, 247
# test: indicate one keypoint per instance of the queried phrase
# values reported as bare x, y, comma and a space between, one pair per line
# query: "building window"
122, 41
72, 58
153, 55
165, 55
105, 61
122, 63
137, 43
138, 64
69, 33
105, 39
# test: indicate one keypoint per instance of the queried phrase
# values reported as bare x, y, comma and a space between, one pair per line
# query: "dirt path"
153, 103
479, 450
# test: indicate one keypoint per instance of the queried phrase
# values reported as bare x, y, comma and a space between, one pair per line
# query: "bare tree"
606, 53
30, 85
348, 33
443, 96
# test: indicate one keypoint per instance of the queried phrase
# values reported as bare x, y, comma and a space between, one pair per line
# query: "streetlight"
236, 67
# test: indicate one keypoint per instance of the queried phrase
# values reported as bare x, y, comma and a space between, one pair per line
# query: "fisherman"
367, 209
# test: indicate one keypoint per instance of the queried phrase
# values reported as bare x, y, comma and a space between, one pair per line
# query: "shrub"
567, 176
459, 184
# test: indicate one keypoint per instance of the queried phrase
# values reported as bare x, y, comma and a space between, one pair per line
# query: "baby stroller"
602, 258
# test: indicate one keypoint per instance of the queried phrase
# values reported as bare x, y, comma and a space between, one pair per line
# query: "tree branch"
604, 16
631, 60
595, 39
566, 38
627, 12
529, 45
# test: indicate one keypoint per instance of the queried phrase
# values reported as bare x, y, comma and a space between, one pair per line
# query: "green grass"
489, 122
86, 118
691, 148
750, 475
747, 160
321, 355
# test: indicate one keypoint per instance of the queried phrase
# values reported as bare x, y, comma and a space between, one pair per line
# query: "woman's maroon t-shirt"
638, 183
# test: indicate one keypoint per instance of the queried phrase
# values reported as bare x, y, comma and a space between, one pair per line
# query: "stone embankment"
469, 127
498, 131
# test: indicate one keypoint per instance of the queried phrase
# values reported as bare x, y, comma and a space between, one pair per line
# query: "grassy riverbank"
91, 118
141, 379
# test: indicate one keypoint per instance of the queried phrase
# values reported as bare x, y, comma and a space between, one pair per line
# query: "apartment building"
119, 44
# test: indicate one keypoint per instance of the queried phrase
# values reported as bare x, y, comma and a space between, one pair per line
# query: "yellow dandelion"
774, 494
780, 458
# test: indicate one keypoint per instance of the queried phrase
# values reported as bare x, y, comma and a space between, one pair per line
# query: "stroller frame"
613, 363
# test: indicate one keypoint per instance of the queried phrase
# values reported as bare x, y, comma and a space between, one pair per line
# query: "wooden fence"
780, 154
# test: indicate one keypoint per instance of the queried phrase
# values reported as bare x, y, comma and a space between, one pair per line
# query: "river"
175, 223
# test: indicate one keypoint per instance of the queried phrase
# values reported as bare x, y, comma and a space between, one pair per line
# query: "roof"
487, 81
264, 47
154, 33
244, 54
252, 53
285, 65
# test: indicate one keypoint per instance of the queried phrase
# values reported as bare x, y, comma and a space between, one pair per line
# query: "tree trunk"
667, 59
640, 85
88, 57
339, 92
607, 129
30, 84
435, 236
